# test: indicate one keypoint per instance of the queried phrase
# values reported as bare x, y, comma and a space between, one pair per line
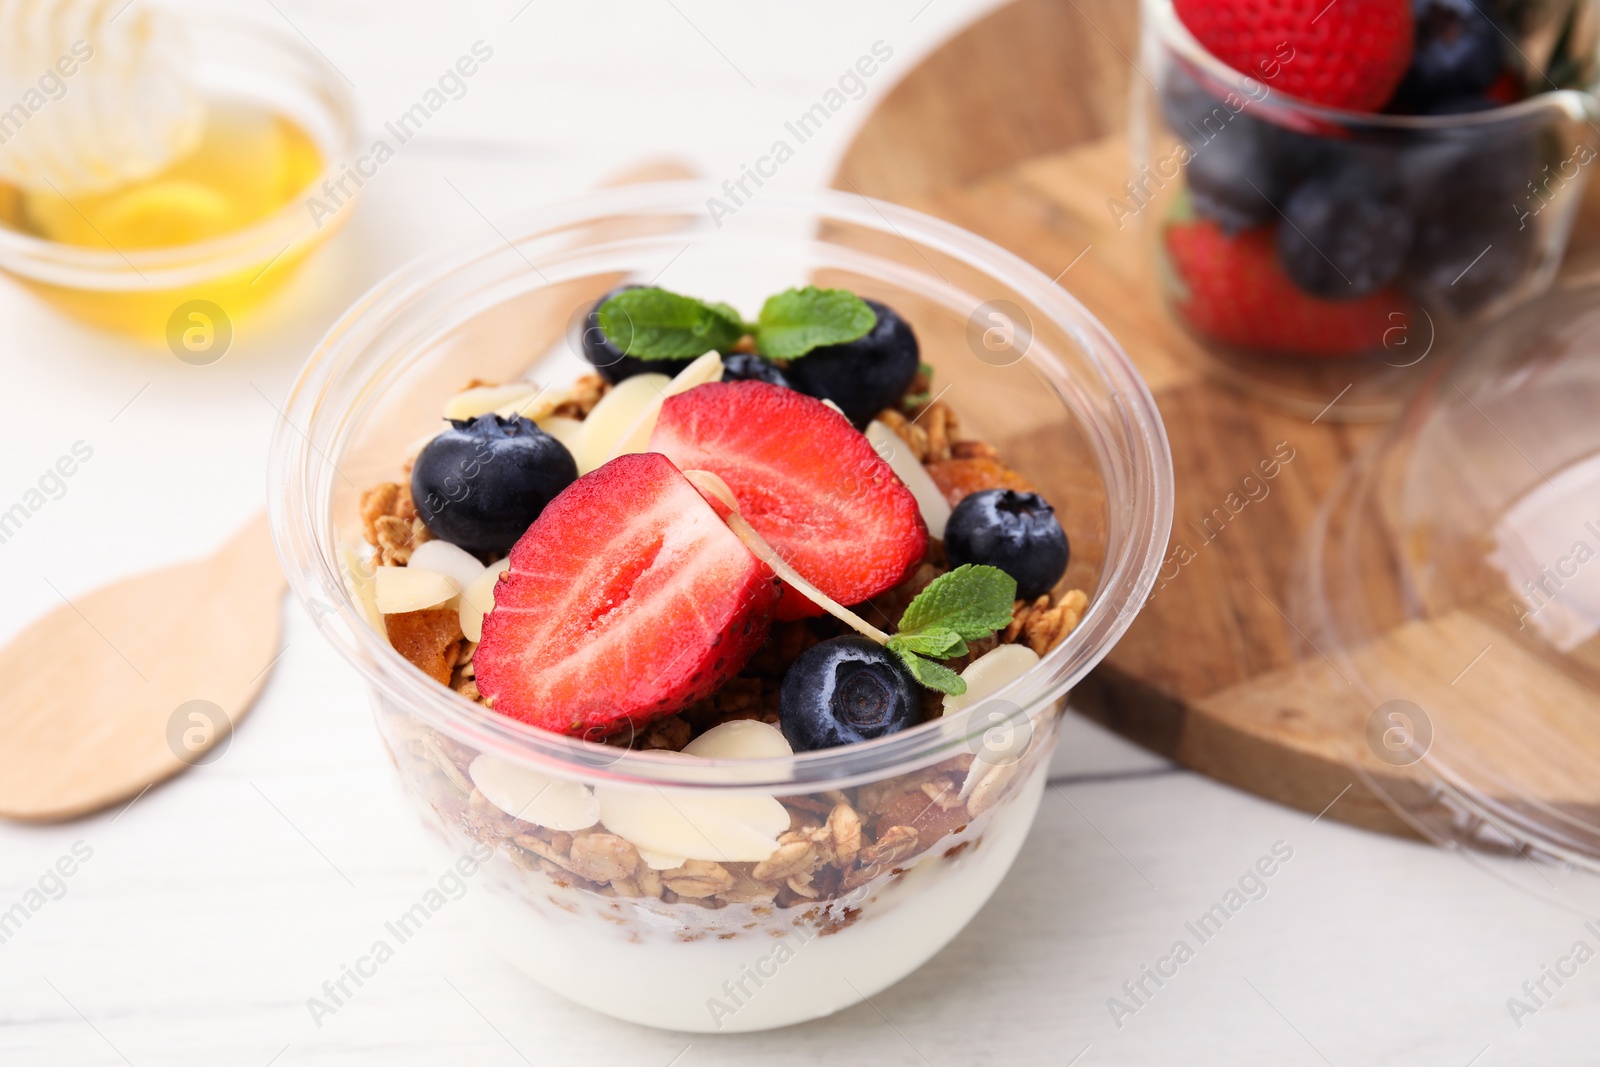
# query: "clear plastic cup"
892, 845
1479, 206
150, 293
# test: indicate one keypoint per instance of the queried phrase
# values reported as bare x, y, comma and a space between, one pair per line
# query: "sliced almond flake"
562, 428
436, 754
706, 368
482, 399
359, 577
985, 675
695, 825
702, 828
525, 794
740, 739
611, 418
402, 589
989, 786
477, 599
708, 482
535, 407
989, 673
895, 452
441, 557
660, 861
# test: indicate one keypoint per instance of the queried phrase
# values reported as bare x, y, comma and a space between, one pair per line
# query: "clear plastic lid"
1452, 583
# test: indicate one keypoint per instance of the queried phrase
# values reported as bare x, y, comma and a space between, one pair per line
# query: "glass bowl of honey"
175, 257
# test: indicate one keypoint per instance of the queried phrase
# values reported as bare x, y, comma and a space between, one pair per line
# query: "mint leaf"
940, 644
794, 322
657, 324
967, 604
933, 675
973, 601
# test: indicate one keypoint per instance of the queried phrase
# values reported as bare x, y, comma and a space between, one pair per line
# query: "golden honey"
248, 165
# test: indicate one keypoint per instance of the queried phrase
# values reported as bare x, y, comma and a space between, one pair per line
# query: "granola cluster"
581, 397
1042, 623
390, 523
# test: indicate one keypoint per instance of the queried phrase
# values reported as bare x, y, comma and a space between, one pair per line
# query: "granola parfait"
719, 585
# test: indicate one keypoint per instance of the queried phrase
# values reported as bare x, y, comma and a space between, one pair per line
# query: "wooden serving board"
1015, 129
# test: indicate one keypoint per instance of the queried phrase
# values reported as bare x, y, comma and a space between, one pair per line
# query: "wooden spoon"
127, 685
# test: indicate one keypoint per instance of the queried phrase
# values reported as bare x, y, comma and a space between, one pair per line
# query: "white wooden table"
212, 908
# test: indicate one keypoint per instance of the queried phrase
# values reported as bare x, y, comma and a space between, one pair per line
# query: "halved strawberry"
805, 479
626, 600
1349, 55
1230, 288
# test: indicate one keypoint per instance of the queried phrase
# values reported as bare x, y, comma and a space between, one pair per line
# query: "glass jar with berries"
1336, 193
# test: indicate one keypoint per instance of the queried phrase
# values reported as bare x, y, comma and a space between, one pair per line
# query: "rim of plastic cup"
1137, 473
84, 267
1162, 18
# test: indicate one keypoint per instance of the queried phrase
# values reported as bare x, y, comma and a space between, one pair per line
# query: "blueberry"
609, 361
1238, 166
1017, 532
746, 366
1234, 178
1475, 170
1475, 197
1458, 53
845, 690
863, 376
1345, 234
1463, 266
480, 484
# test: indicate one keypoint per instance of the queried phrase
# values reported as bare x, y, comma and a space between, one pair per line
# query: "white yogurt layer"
634, 965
